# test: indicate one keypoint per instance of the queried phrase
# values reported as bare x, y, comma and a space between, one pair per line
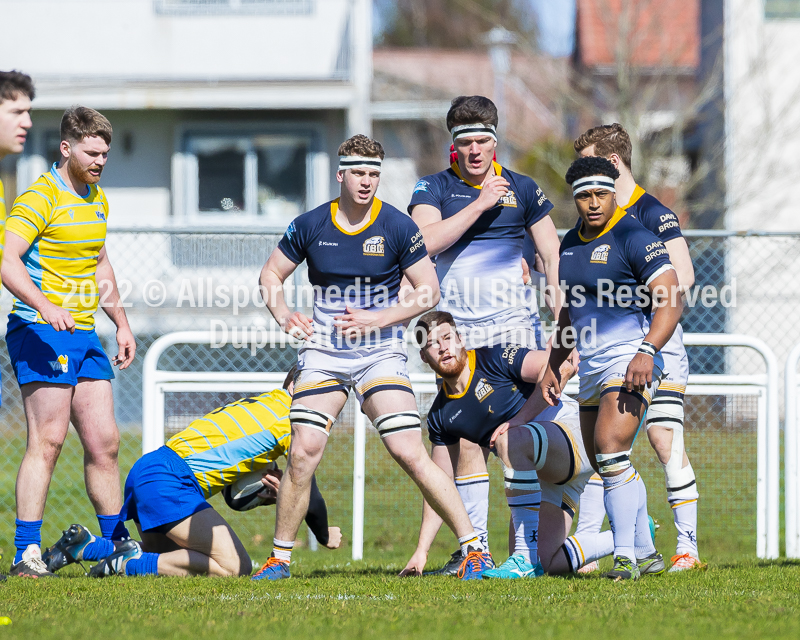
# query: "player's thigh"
471, 458
155, 542
312, 420
47, 410
618, 419
93, 414
554, 526
588, 422
399, 408
207, 532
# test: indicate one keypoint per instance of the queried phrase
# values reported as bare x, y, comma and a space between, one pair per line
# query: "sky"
555, 18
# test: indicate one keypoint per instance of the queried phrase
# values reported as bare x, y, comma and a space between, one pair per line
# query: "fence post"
791, 444
359, 465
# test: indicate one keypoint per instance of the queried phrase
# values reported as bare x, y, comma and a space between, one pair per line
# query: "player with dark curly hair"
622, 305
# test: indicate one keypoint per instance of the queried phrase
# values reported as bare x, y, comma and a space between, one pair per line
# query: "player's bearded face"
445, 353
475, 154
360, 185
595, 207
87, 159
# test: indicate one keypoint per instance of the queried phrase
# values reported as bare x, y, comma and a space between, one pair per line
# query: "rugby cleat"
450, 567
31, 565
273, 569
589, 567
624, 569
515, 567
114, 565
474, 564
68, 549
651, 565
684, 562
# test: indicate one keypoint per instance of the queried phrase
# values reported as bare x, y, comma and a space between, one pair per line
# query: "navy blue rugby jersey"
361, 268
605, 280
653, 215
495, 394
480, 275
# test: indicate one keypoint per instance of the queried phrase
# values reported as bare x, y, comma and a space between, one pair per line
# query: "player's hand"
566, 371
58, 317
272, 482
550, 386
127, 348
298, 326
334, 538
639, 373
357, 323
494, 188
415, 566
503, 428
574, 359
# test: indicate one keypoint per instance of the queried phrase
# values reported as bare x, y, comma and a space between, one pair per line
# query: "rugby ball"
242, 495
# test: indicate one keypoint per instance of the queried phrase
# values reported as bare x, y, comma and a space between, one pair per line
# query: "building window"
781, 9
217, 7
261, 177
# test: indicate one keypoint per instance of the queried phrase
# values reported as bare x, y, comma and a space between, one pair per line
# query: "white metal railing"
791, 445
764, 387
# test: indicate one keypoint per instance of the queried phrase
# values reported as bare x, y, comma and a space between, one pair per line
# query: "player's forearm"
18, 281
443, 234
272, 293
555, 297
317, 515
559, 351
422, 298
665, 321
431, 523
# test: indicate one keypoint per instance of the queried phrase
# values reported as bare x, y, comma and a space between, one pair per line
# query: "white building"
225, 112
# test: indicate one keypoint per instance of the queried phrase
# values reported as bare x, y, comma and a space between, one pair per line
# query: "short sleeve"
660, 220
504, 362
647, 255
31, 212
537, 206
426, 191
435, 433
293, 242
409, 241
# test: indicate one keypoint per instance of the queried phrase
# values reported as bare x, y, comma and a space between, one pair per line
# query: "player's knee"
390, 424
665, 427
533, 448
613, 463
46, 449
300, 416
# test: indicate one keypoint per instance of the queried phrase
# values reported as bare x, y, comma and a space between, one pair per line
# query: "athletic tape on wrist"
648, 349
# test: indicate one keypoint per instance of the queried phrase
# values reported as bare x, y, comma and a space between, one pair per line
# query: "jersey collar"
471, 365
619, 214
638, 192
498, 170
376, 209
63, 185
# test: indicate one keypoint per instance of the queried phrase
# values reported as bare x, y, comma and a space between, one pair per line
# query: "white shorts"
364, 370
676, 367
595, 385
513, 328
566, 495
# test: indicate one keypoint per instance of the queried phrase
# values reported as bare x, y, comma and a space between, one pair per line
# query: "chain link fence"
201, 280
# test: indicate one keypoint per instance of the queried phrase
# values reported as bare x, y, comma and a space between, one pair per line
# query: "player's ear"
340, 176
615, 160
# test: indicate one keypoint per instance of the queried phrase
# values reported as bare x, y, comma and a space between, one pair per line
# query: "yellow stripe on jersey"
2, 222
235, 439
66, 233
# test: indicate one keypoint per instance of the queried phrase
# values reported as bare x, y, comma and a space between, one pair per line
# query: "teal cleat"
273, 569
515, 567
474, 564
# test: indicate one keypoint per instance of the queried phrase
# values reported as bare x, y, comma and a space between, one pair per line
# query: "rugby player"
474, 217
58, 270
622, 305
358, 249
665, 416
488, 398
167, 490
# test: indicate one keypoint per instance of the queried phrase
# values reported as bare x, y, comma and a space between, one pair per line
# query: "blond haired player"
57, 268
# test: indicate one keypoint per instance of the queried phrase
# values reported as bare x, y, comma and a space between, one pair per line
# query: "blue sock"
146, 564
98, 549
112, 528
27, 532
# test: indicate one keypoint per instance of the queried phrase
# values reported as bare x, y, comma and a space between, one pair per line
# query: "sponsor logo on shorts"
62, 364
600, 254
483, 390
508, 200
373, 246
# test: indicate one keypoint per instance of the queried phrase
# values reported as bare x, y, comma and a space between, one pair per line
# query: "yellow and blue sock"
112, 528
145, 565
27, 532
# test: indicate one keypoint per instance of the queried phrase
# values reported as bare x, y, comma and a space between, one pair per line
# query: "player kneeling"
488, 398
167, 490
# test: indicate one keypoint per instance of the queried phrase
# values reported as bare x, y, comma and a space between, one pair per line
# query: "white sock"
525, 520
685, 514
581, 549
470, 541
474, 492
643, 541
622, 501
592, 510
282, 550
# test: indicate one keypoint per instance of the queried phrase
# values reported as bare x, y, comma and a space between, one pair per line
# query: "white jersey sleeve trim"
659, 271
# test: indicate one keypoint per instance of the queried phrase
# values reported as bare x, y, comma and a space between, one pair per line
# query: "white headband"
466, 130
359, 162
593, 182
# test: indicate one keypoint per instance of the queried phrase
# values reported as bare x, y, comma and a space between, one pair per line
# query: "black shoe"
450, 567
68, 549
115, 563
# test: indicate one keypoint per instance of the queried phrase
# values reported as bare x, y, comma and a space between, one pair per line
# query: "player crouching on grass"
488, 398
167, 489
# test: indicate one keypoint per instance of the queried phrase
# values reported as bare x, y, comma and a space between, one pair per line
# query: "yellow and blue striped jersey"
2, 222
235, 439
66, 233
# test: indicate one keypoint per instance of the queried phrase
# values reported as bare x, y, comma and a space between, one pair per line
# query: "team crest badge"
483, 390
508, 200
600, 254
373, 246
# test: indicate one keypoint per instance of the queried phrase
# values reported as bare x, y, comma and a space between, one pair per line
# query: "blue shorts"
161, 489
39, 353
